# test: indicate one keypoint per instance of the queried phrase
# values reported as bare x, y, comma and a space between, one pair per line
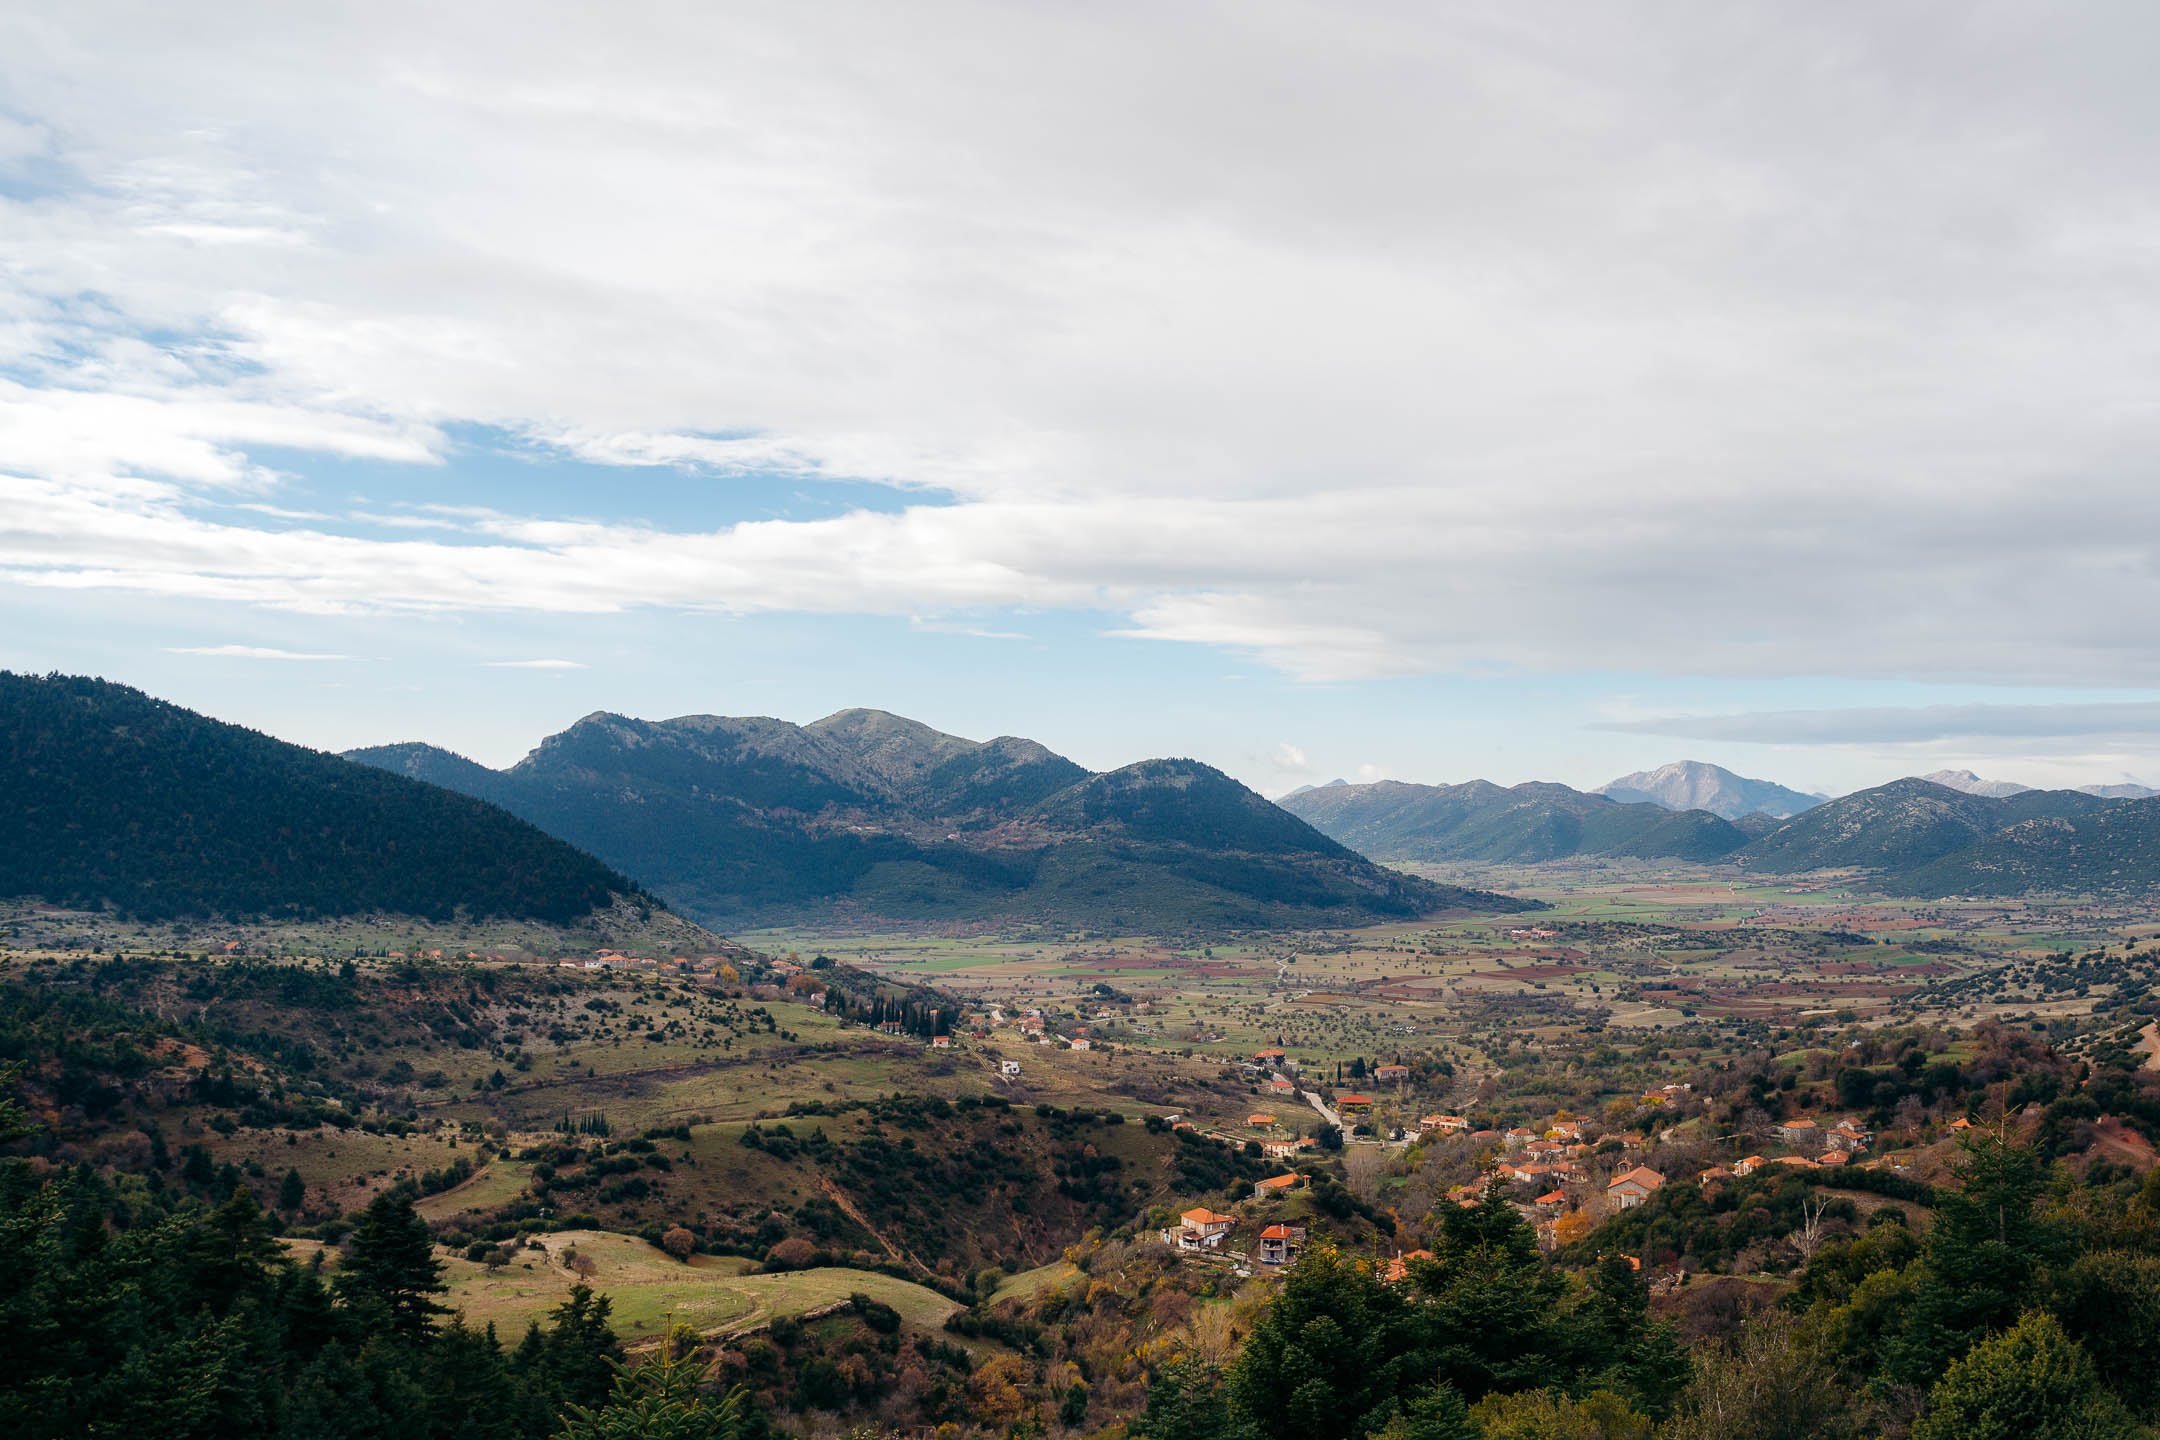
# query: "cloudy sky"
1424, 390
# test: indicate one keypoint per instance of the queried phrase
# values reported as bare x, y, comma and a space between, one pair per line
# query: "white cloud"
1805, 342
248, 652
532, 664
1290, 760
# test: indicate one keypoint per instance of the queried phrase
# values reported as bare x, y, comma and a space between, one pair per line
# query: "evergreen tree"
2033, 1382
392, 1266
292, 1191
661, 1400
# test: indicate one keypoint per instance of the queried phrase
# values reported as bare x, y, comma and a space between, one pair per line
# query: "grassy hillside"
111, 799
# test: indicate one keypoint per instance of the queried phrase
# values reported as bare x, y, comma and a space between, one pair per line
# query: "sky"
1424, 391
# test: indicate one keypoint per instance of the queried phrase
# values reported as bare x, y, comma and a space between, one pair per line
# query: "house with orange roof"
1259, 1122
1631, 1187
1398, 1269
1202, 1229
1276, 1185
1391, 1074
1279, 1244
1444, 1124
1278, 1149
1359, 1104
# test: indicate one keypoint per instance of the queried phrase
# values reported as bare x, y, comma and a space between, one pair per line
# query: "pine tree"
392, 1266
661, 1400
292, 1191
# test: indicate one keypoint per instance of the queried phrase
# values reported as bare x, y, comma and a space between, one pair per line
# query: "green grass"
1029, 1283
647, 1286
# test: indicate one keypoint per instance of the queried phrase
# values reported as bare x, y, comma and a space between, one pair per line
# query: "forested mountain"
750, 819
2114, 849
1693, 785
1478, 820
1902, 825
1923, 838
109, 798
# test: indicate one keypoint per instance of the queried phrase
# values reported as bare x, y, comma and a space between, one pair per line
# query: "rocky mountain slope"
1694, 785
2110, 850
1903, 825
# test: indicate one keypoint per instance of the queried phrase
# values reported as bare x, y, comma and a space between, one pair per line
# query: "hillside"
2114, 850
870, 815
1903, 825
1693, 785
1481, 821
111, 799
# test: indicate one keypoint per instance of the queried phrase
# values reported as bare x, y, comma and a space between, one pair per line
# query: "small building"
1008, 1067
1280, 1086
1258, 1121
1278, 1149
1444, 1124
1202, 1229
1551, 1203
1354, 1104
1268, 1057
941, 1042
1398, 1269
1520, 1136
1279, 1244
1391, 1074
1802, 1134
1630, 1188
1748, 1166
1083, 1043
1276, 1185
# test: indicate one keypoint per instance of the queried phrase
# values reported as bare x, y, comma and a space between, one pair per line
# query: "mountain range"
1917, 836
1972, 784
864, 814
111, 800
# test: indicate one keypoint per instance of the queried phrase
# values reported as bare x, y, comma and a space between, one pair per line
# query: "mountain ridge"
878, 817
1528, 823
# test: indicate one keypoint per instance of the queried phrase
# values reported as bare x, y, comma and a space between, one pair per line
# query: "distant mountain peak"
1971, 784
1698, 785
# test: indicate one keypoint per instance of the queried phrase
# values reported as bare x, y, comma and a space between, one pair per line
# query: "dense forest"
115, 800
